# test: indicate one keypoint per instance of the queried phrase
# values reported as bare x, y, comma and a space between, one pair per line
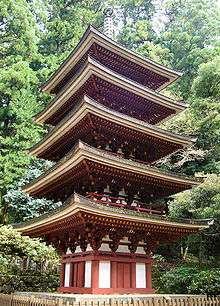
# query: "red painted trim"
128, 254
125, 257
95, 274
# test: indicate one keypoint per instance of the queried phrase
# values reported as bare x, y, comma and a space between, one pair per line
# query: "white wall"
140, 275
104, 274
67, 275
88, 275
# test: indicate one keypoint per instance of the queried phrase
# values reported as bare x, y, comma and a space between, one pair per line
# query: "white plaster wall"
67, 275
88, 274
140, 275
104, 274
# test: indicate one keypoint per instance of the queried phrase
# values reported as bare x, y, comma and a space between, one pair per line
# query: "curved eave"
92, 67
93, 35
89, 106
82, 152
78, 204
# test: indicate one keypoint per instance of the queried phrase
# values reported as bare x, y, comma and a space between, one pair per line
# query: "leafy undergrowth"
185, 277
26, 264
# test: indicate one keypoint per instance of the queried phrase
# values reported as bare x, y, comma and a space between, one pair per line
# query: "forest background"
37, 35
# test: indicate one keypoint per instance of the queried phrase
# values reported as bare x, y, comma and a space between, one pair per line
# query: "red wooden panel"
120, 275
80, 274
127, 275
113, 274
75, 272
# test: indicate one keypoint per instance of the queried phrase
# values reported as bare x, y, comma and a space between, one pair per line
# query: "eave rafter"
100, 162
88, 115
79, 212
152, 106
95, 40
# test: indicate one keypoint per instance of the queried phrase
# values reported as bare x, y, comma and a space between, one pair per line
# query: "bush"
26, 264
177, 280
30, 281
207, 282
191, 280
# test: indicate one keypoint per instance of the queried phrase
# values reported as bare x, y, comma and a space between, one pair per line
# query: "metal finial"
108, 22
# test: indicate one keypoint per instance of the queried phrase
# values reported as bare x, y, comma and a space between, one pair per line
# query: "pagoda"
104, 139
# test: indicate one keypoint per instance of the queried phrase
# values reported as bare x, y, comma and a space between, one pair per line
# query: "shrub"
26, 264
206, 282
192, 280
177, 280
31, 281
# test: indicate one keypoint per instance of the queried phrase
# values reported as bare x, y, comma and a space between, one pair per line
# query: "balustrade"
121, 202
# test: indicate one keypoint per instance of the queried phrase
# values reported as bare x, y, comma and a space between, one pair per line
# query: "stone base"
106, 273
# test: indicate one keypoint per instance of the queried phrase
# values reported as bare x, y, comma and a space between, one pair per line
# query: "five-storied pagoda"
104, 138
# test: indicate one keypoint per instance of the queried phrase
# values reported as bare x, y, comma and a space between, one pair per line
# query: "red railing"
120, 201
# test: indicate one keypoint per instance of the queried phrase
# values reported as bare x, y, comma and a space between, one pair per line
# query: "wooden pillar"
133, 275
95, 274
71, 275
62, 274
81, 274
148, 275
114, 274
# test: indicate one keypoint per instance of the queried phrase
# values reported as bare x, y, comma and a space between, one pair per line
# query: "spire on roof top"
108, 22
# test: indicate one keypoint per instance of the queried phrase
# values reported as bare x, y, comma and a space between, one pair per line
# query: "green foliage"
206, 84
23, 207
201, 119
65, 25
18, 88
190, 31
35, 38
24, 263
206, 282
13, 243
136, 29
177, 280
202, 201
135, 21
29, 281
191, 280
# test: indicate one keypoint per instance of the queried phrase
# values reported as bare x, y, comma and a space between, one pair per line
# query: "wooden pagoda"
104, 139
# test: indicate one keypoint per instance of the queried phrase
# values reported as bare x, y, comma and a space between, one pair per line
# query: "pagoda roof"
94, 42
78, 210
154, 105
89, 115
83, 160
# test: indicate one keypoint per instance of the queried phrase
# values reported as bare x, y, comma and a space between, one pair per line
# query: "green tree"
65, 25
23, 207
134, 23
201, 119
33, 43
201, 202
190, 34
135, 19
